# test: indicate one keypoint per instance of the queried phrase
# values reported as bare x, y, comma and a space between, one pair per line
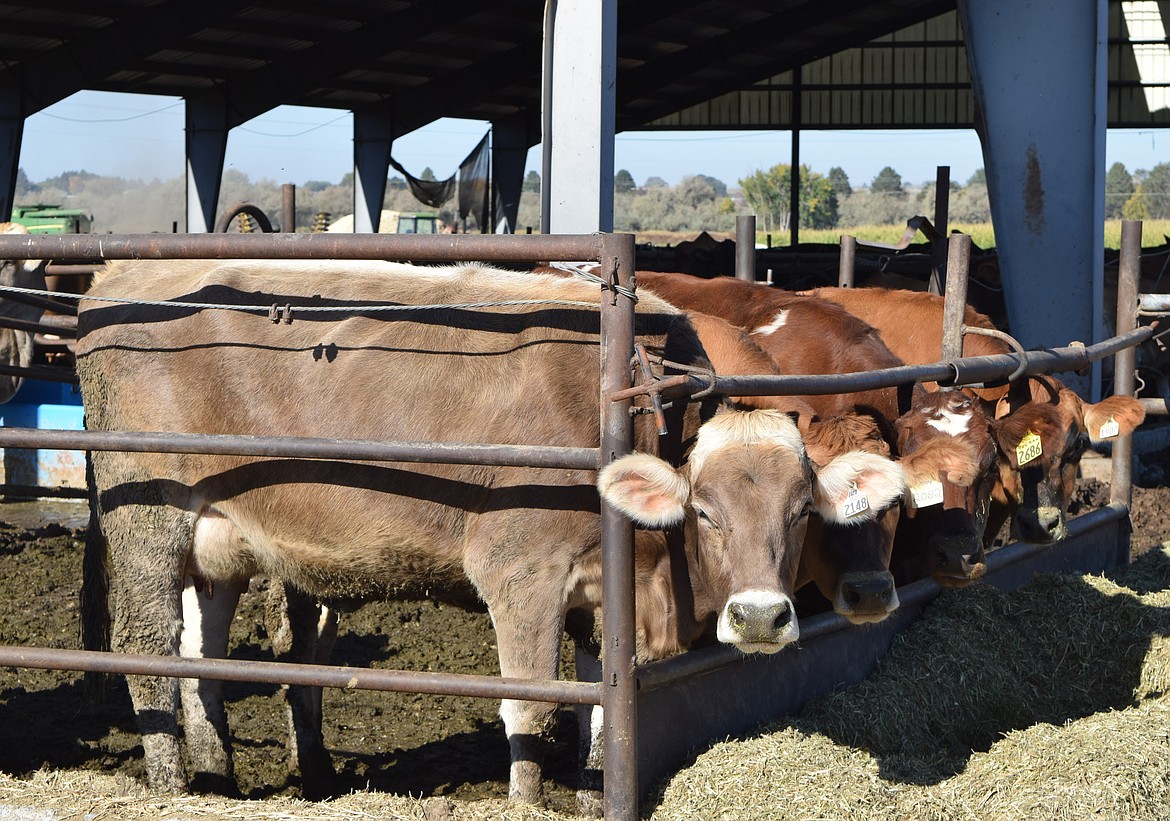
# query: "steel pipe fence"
615, 254
618, 691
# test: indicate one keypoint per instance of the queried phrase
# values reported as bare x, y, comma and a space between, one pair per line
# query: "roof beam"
86, 62
285, 81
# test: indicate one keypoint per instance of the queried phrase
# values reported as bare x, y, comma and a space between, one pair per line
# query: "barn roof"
710, 64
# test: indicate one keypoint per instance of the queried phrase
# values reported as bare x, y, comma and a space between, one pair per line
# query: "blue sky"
141, 137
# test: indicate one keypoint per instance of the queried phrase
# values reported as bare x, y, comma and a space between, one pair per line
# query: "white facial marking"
773, 326
952, 424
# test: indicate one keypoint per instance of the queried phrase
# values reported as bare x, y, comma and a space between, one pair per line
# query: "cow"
809, 336
16, 346
1044, 427
183, 534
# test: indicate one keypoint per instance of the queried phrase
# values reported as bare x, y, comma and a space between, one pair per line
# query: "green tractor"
52, 219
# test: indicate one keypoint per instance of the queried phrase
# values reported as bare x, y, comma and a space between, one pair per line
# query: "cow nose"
756, 622
759, 621
958, 560
1043, 526
872, 593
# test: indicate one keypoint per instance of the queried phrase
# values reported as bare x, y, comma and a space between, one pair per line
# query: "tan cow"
185, 533
1043, 422
809, 336
16, 346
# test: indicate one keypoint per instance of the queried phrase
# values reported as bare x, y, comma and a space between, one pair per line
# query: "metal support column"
11, 134
1039, 75
580, 72
206, 139
745, 247
373, 134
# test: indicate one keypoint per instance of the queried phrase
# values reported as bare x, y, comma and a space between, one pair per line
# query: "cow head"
850, 563
16, 347
949, 454
1042, 435
744, 498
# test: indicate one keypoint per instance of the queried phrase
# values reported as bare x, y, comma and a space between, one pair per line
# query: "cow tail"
95, 592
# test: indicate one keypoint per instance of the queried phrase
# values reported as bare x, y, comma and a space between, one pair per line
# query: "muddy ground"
387, 742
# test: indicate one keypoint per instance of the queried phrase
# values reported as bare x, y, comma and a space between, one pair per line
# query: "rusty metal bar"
41, 302
1125, 361
619, 685
462, 453
848, 260
955, 300
745, 247
1155, 303
313, 675
965, 371
416, 247
60, 329
45, 373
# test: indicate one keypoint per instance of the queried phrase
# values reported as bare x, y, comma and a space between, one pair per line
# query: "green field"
1154, 233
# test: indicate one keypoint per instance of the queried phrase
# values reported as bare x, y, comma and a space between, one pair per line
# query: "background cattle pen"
1099, 539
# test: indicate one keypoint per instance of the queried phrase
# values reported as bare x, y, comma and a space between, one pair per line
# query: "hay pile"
1049, 702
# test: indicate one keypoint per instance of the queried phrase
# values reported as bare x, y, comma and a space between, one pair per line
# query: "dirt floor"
386, 742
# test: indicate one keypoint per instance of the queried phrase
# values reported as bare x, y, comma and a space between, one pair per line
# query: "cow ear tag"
1029, 449
926, 494
1109, 429
856, 502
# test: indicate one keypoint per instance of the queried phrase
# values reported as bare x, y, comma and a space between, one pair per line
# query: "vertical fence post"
288, 208
955, 301
848, 259
1124, 362
619, 686
745, 247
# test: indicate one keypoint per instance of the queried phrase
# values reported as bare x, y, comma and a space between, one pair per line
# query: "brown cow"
809, 336
1042, 422
522, 541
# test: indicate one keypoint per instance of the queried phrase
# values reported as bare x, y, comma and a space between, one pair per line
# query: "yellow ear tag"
856, 502
926, 494
1109, 429
1028, 449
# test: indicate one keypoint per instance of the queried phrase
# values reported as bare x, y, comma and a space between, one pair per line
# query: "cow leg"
590, 742
526, 604
147, 548
207, 617
303, 632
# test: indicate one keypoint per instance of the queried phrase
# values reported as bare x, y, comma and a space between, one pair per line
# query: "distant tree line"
698, 202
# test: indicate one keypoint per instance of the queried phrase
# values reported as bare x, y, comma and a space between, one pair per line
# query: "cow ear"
1113, 416
646, 489
856, 486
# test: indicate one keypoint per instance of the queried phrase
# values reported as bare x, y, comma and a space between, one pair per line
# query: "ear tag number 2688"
1029, 449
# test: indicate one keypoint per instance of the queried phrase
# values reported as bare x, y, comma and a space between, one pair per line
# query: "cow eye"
703, 518
808, 508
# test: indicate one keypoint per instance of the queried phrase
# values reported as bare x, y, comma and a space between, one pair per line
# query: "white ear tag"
1109, 429
1028, 449
926, 494
856, 502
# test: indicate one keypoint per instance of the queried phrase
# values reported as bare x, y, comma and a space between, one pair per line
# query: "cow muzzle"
758, 621
1043, 525
865, 598
957, 560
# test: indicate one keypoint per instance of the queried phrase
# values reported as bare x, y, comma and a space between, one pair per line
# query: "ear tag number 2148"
855, 503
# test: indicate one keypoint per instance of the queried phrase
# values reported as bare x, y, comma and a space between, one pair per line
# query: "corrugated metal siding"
917, 77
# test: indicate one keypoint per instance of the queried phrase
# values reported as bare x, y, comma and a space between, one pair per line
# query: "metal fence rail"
618, 693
